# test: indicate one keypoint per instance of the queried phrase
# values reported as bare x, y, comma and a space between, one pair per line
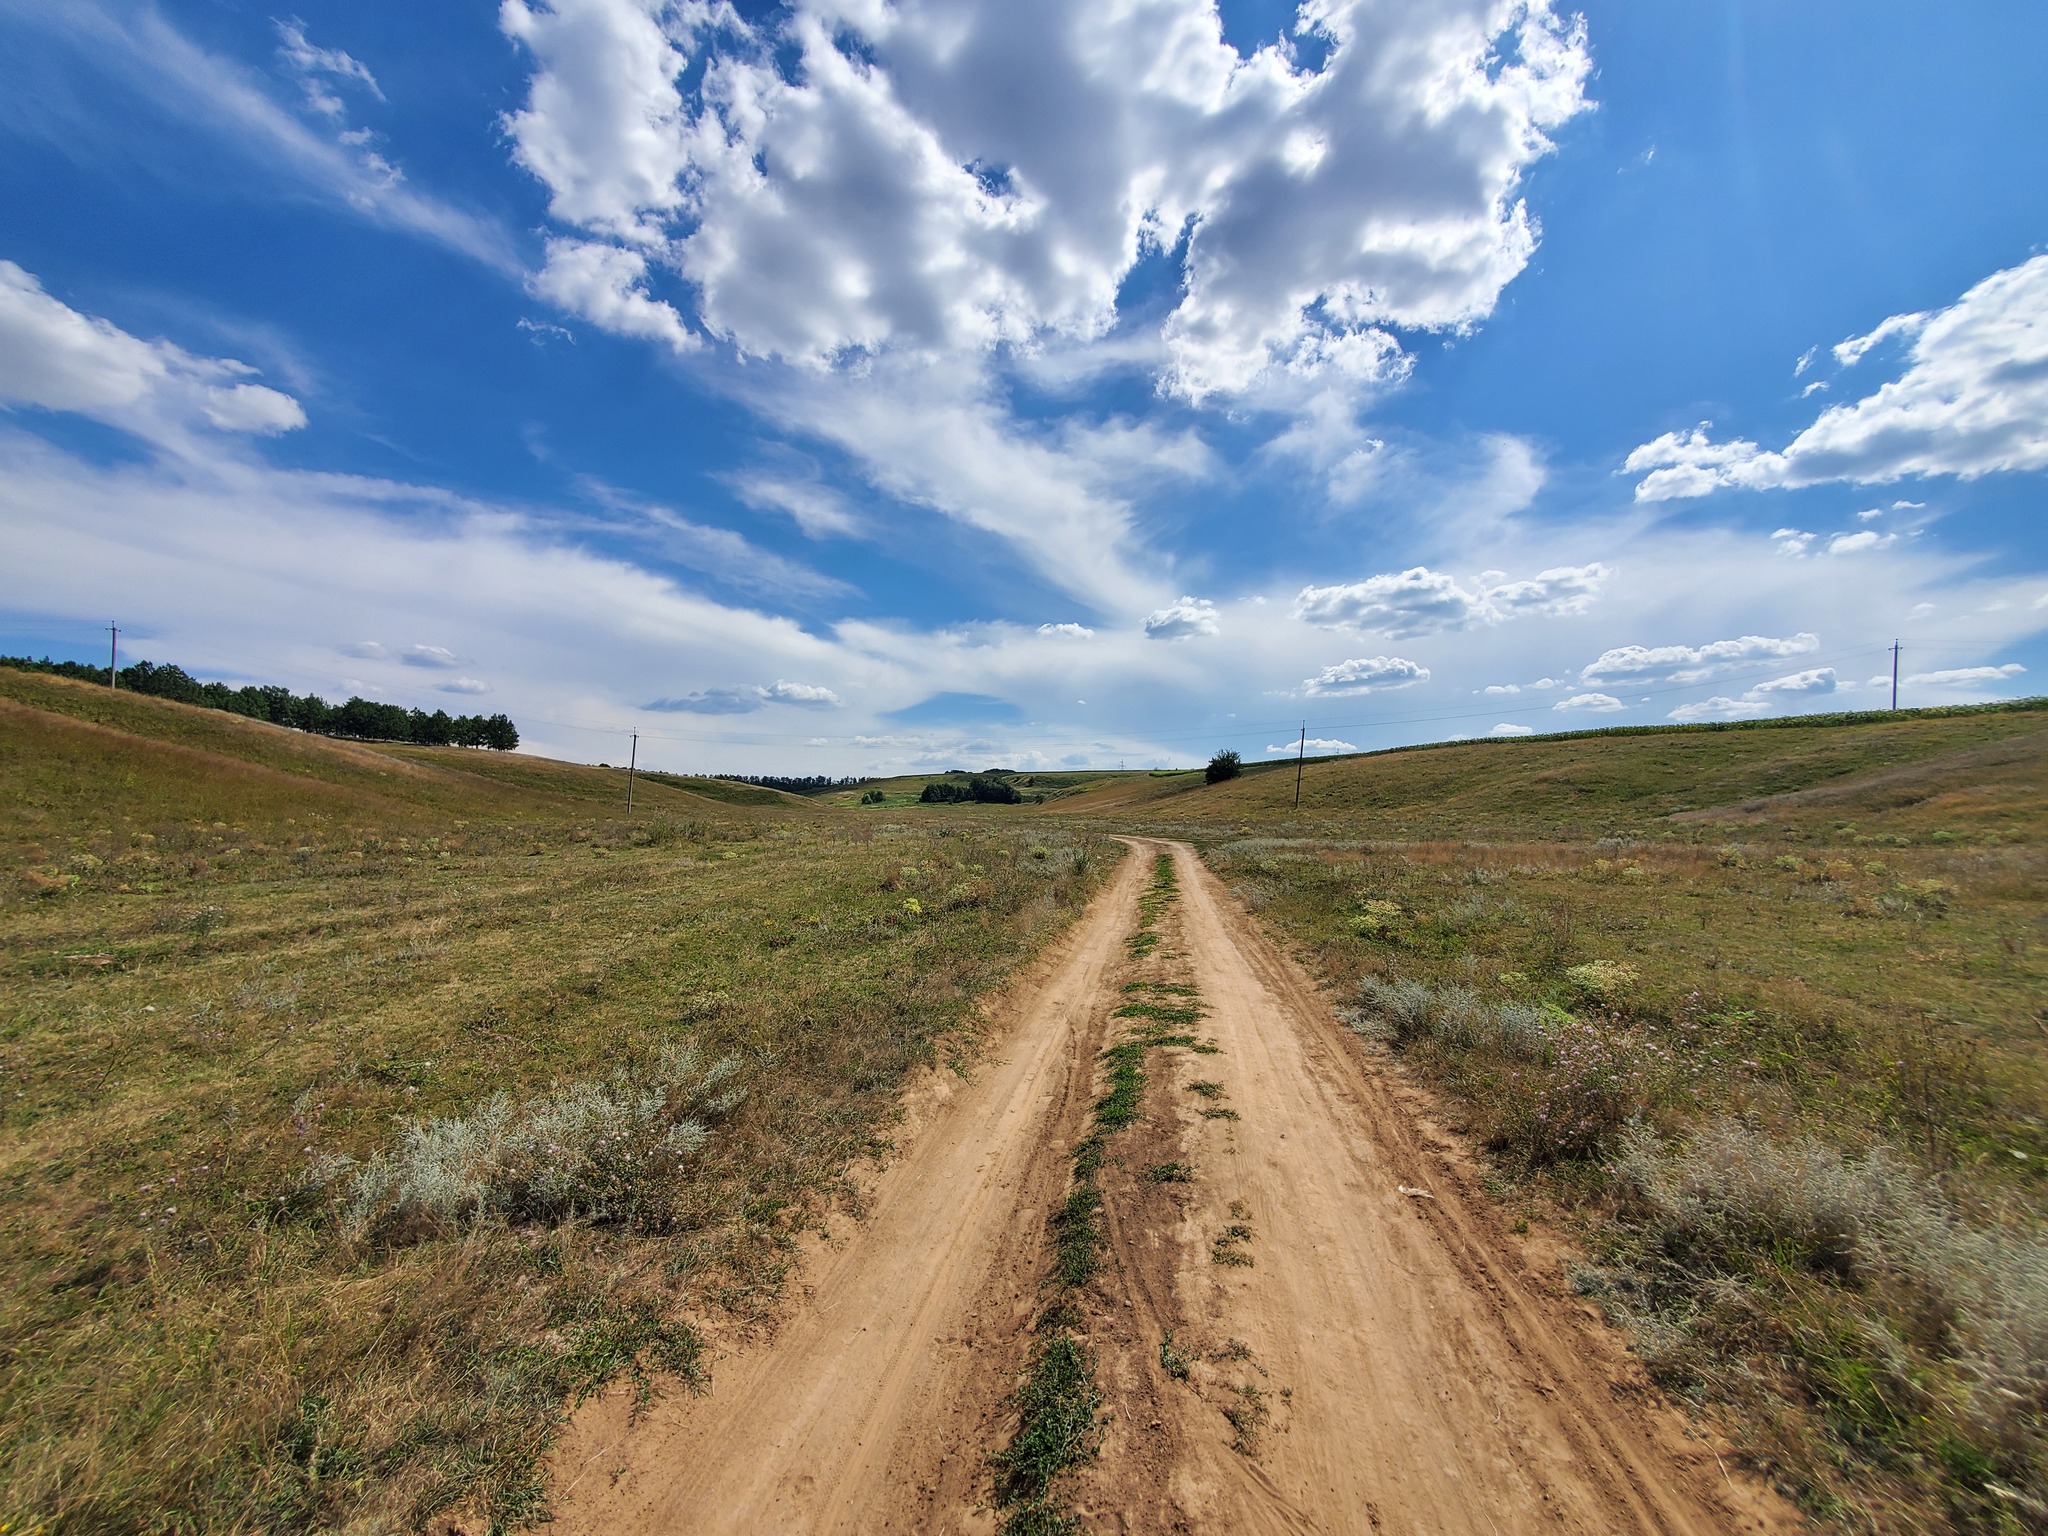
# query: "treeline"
798, 784
358, 720
980, 790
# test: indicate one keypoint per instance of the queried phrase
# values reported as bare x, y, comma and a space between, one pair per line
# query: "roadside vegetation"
1059, 1403
1777, 1062
362, 1109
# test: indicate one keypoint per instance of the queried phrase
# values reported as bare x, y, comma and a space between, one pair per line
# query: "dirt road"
1372, 1351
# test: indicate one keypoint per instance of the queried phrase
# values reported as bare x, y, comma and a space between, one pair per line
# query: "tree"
1224, 765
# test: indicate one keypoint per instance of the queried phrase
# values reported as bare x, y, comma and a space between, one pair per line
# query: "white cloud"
1851, 352
1853, 543
133, 50
1507, 728
1183, 620
1066, 631
1692, 663
311, 63
607, 285
1973, 400
465, 685
1365, 674
1497, 688
1793, 541
1813, 683
1599, 703
810, 694
1419, 601
817, 508
364, 650
56, 358
1719, 707
1816, 680
1315, 744
429, 656
1870, 514
852, 177
604, 122
1962, 677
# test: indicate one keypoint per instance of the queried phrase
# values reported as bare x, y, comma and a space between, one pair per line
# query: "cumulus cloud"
1066, 631
1508, 728
1183, 620
1855, 543
1972, 400
1720, 707
1793, 541
1365, 674
607, 285
428, 656
465, 685
1419, 601
1965, 677
1501, 688
846, 178
1815, 682
1319, 744
1693, 663
1598, 703
1798, 684
746, 698
53, 357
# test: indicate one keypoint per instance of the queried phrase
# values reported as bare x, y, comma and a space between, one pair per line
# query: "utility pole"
113, 657
632, 762
1895, 674
1299, 757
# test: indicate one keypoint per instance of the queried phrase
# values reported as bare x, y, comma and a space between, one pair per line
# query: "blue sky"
854, 386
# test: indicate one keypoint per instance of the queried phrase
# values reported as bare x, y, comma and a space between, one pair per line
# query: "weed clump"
595, 1150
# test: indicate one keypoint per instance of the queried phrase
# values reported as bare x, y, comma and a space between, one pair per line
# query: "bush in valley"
359, 719
977, 789
1224, 765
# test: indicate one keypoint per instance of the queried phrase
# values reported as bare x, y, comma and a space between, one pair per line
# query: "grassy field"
362, 1108
1760, 1016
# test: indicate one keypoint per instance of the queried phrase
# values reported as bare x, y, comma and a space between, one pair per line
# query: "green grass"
1057, 1407
232, 957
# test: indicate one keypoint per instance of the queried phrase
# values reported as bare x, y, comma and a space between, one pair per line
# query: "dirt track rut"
1410, 1371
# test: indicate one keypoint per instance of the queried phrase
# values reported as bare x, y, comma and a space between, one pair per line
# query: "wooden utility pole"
1895, 674
1299, 757
632, 763
113, 657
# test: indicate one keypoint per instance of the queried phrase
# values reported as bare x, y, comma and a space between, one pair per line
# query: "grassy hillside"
1759, 1016
1587, 785
360, 1108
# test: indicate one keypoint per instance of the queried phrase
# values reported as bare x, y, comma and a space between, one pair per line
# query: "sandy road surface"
1408, 1370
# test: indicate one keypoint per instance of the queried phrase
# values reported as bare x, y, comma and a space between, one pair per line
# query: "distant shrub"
1224, 765
978, 790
